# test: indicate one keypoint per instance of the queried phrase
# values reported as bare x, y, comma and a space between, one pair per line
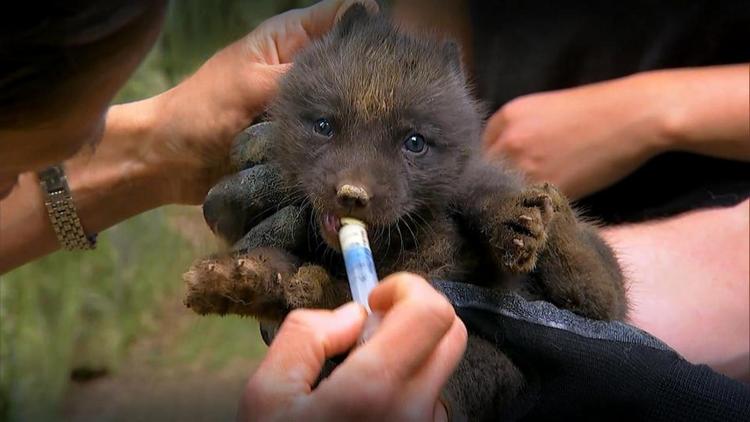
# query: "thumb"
305, 340
278, 39
280, 69
266, 78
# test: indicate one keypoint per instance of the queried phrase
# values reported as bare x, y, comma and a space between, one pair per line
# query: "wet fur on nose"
352, 195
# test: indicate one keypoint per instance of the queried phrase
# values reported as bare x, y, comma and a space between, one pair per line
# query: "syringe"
360, 268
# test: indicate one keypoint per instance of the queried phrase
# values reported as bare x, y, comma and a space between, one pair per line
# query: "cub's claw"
525, 222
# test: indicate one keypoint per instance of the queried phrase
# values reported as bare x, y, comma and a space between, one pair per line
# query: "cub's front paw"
244, 284
522, 224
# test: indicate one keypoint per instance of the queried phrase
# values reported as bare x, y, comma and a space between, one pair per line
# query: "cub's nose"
352, 196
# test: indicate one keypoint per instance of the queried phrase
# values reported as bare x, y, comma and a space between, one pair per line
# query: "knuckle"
255, 392
510, 109
514, 141
461, 332
438, 312
409, 278
374, 394
521, 104
370, 5
499, 118
300, 321
253, 388
305, 326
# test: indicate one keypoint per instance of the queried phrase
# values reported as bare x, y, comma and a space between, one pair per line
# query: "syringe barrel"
360, 268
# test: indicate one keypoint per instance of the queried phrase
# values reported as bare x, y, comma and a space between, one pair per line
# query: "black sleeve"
581, 369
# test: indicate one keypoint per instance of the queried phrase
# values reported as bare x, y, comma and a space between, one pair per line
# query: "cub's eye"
323, 127
415, 144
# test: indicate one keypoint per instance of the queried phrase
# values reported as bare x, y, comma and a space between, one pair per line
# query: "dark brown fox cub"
377, 125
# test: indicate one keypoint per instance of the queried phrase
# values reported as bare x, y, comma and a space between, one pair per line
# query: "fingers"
285, 230
416, 319
320, 18
399, 373
243, 199
493, 129
441, 364
250, 147
296, 356
296, 28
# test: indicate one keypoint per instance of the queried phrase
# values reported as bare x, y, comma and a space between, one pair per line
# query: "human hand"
402, 385
581, 369
194, 123
251, 208
397, 375
581, 139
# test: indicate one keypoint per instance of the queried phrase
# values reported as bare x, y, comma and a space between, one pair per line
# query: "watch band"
62, 211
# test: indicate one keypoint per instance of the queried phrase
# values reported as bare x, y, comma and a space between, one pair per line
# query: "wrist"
704, 110
188, 144
151, 135
115, 180
133, 130
656, 100
108, 183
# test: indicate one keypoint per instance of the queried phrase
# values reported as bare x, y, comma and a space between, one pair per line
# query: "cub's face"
374, 125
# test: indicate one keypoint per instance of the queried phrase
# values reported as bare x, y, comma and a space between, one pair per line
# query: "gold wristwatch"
62, 211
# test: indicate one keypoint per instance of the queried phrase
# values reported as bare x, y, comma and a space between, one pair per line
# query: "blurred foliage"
73, 310
82, 310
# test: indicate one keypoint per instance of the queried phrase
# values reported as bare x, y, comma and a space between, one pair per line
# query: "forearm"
109, 184
691, 295
705, 110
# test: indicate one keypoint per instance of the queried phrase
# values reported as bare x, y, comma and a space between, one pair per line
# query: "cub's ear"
452, 55
356, 14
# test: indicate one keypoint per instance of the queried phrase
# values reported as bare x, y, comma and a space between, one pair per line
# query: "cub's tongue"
331, 224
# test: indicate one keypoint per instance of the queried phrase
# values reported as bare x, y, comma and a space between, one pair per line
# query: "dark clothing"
578, 369
521, 47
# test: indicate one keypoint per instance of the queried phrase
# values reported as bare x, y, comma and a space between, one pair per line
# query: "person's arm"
586, 138
396, 375
693, 296
708, 111
170, 148
108, 186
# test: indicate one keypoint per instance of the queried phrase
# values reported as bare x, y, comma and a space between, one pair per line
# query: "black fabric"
522, 47
670, 184
581, 369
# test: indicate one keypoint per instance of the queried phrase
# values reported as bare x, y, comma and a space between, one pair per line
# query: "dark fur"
447, 214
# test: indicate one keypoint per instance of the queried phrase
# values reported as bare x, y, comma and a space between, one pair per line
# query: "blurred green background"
103, 335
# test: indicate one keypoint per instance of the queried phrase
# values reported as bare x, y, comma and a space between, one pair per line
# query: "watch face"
53, 179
